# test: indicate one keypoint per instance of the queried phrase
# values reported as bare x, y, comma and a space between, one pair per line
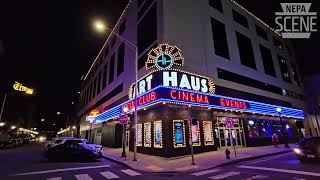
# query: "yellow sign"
19, 87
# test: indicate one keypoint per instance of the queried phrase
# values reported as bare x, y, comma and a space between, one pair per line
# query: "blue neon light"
162, 96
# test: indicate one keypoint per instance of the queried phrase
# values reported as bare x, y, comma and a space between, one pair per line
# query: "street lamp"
100, 26
278, 109
42, 120
58, 113
13, 127
2, 124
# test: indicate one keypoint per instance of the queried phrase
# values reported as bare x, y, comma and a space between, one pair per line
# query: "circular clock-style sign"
164, 61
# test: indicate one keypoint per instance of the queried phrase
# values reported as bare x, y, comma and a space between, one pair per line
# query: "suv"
309, 148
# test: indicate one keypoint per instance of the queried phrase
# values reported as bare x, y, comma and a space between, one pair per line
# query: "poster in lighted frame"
139, 134
147, 134
157, 128
195, 130
179, 139
208, 133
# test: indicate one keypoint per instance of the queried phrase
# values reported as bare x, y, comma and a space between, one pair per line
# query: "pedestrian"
275, 140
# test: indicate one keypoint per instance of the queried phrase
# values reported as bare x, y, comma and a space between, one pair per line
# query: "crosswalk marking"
258, 177
55, 178
225, 175
205, 172
83, 177
109, 175
130, 172
281, 170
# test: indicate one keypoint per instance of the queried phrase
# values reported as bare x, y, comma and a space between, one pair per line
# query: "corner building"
211, 61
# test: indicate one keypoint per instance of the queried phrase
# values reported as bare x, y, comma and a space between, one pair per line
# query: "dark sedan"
72, 151
309, 148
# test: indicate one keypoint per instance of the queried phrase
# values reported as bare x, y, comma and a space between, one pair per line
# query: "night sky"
49, 45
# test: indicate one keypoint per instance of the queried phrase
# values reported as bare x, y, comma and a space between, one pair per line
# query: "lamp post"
2, 107
278, 109
100, 26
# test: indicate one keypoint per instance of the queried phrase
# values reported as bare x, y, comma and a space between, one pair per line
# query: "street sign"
123, 119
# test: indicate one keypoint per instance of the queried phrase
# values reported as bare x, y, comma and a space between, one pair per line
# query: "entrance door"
229, 137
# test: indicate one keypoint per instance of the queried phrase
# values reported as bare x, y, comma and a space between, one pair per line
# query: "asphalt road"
27, 162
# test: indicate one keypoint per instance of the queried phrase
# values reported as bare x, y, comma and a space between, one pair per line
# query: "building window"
147, 134
122, 27
99, 82
220, 41
143, 58
295, 74
111, 69
284, 69
143, 9
261, 32
94, 88
267, 61
277, 42
113, 41
147, 29
233, 77
120, 59
245, 51
216, 4
239, 18
104, 79
259, 128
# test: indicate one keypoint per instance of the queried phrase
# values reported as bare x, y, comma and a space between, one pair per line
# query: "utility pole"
190, 139
2, 107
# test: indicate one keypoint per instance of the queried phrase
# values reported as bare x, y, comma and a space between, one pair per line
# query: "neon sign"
188, 96
19, 87
141, 100
164, 56
94, 113
233, 103
173, 78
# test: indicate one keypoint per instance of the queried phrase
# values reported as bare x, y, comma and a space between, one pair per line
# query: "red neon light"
94, 112
232, 103
141, 100
188, 96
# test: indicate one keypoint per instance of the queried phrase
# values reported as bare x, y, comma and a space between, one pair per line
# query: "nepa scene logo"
296, 20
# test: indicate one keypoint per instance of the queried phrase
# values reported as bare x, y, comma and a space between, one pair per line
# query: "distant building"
245, 70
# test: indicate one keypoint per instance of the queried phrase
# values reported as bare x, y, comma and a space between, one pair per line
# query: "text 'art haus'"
211, 61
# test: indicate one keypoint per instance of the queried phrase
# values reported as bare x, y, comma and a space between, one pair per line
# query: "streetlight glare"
2, 124
99, 25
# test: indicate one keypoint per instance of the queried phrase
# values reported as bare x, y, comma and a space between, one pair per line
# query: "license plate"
311, 156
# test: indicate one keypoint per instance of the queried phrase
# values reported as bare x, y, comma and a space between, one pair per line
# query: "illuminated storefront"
168, 97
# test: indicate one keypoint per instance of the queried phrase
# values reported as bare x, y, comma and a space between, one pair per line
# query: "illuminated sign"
94, 112
173, 78
233, 103
92, 115
164, 56
163, 94
19, 87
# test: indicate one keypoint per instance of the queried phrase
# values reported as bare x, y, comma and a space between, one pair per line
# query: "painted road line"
130, 172
274, 157
225, 175
55, 178
61, 170
257, 177
200, 173
281, 170
83, 177
109, 175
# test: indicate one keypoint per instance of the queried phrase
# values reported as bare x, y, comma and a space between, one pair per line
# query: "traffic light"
194, 122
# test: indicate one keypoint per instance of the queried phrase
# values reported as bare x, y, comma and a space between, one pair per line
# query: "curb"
189, 171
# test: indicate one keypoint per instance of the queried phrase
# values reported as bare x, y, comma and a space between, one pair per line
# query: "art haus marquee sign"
162, 59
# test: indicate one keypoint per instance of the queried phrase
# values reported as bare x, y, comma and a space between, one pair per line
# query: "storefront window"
139, 134
208, 133
265, 128
178, 134
147, 134
157, 134
228, 122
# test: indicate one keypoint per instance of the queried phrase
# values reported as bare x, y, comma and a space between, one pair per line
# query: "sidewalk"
181, 164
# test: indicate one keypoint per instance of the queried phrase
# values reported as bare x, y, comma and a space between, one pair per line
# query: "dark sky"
49, 45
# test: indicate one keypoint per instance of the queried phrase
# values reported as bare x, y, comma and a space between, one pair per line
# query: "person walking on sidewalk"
275, 139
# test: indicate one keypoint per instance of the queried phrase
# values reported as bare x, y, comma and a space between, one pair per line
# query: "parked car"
97, 147
309, 148
72, 150
56, 141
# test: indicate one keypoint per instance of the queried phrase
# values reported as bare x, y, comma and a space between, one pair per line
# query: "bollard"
227, 152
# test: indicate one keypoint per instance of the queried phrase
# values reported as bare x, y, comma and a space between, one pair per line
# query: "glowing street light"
13, 127
42, 120
73, 127
2, 124
58, 113
100, 26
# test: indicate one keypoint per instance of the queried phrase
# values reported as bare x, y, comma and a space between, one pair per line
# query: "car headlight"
297, 151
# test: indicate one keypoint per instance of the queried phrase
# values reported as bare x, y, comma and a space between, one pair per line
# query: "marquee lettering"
233, 103
189, 96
